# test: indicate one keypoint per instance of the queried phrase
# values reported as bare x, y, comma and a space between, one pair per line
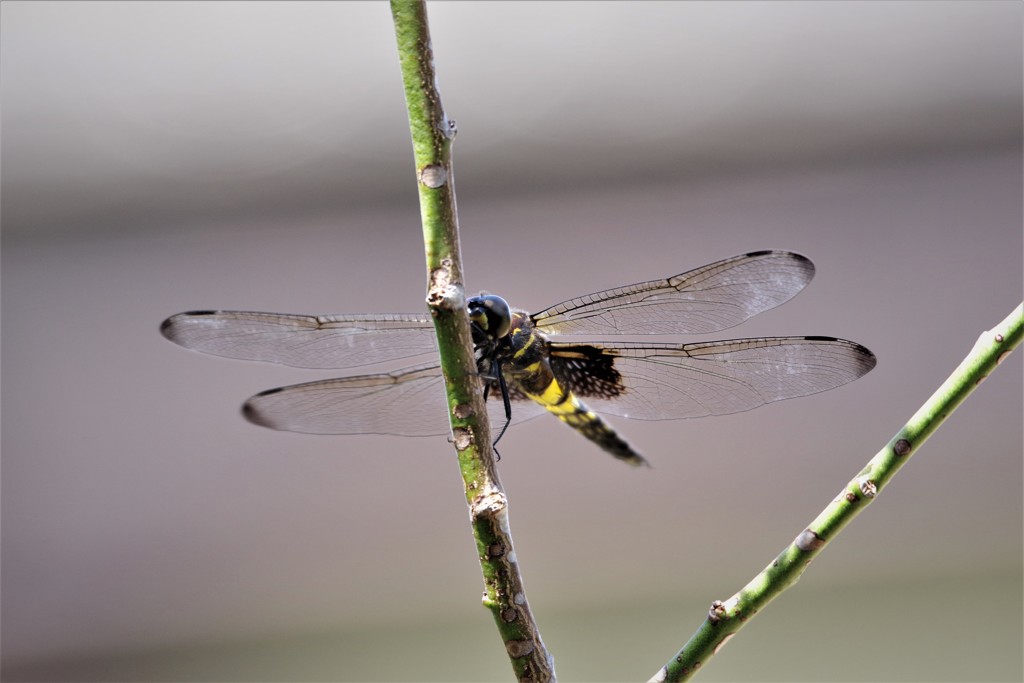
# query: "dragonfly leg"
508, 408
496, 374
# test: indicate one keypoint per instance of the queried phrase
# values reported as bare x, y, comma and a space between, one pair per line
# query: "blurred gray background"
160, 157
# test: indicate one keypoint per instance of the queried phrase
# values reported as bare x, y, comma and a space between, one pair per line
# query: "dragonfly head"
490, 317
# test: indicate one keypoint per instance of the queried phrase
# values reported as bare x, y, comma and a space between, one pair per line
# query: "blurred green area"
955, 629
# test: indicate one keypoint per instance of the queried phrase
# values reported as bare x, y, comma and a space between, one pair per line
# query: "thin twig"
432, 135
726, 618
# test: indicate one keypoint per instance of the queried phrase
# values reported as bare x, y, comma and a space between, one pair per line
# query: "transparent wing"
640, 381
673, 381
707, 299
408, 402
304, 341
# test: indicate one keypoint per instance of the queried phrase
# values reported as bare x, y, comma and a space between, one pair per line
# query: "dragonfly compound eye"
491, 315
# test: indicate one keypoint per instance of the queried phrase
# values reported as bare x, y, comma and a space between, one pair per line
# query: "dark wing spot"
253, 414
586, 370
167, 326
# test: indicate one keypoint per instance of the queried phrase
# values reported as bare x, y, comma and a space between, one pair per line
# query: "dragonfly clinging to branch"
524, 366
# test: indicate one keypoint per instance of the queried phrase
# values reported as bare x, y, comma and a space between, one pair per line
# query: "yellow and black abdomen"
531, 373
569, 409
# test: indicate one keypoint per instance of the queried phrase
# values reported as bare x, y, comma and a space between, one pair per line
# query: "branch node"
518, 648
442, 293
490, 504
462, 438
448, 128
434, 176
717, 612
868, 488
808, 541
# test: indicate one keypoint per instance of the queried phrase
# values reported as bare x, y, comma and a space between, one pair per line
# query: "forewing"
707, 299
673, 381
304, 341
409, 402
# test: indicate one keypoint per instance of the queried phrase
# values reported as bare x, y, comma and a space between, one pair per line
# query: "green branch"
432, 135
726, 618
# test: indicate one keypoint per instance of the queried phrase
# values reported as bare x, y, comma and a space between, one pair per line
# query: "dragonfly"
531, 363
